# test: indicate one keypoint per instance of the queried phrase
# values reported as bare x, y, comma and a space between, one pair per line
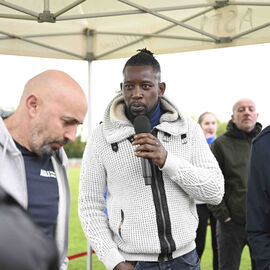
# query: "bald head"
240, 101
50, 84
244, 114
51, 107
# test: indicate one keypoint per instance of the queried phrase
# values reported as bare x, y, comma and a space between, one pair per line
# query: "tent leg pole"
89, 249
46, 5
89, 98
89, 258
90, 59
89, 43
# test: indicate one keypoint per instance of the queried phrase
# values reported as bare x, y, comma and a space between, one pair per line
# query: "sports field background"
77, 241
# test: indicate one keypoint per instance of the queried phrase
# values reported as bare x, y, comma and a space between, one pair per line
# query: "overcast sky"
209, 80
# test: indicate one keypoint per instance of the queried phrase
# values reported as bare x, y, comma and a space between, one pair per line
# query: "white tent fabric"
107, 29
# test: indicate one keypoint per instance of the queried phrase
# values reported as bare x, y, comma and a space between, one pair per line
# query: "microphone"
142, 125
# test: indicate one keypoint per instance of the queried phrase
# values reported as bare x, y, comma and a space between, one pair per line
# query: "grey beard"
44, 150
46, 146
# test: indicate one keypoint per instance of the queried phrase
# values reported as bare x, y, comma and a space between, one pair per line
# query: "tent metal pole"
170, 19
67, 8
18, 17
53, 35
90, 57
21, 9
249, 3
145, 35
97, 15
130, 12
89, 249
47, 35
46, 5
42, 45
89, 98
251, 31
89, 257
157, 32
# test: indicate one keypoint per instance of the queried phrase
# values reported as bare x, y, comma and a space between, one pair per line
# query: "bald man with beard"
232, 151
33, 162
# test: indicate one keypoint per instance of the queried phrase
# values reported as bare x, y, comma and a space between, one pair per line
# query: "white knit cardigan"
190, 172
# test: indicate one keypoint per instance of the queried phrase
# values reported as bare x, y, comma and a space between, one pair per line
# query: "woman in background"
208, 123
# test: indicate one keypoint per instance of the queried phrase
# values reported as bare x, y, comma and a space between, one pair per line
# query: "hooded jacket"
232, 151
13, 181
146, 222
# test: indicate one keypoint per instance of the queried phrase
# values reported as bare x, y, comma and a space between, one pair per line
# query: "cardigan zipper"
162, 213
162, 216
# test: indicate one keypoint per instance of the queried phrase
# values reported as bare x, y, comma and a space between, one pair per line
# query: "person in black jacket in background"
23, 245
258, 200
232, 150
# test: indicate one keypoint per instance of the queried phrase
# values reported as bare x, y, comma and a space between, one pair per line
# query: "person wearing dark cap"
152, 224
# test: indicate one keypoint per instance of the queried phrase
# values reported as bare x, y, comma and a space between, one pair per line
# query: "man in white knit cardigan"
149, 226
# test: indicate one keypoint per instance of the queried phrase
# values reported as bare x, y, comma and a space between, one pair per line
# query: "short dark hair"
144, 57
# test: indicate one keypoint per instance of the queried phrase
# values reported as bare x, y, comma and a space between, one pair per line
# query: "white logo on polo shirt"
45, 173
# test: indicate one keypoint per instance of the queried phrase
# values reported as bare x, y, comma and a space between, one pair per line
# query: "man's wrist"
118, 266
124, 266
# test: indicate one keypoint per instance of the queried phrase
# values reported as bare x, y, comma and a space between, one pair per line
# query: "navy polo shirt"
42, 188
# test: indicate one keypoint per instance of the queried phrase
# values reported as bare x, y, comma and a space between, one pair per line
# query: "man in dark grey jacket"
232, 151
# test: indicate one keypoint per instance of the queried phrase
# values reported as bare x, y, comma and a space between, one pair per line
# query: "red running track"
75, 256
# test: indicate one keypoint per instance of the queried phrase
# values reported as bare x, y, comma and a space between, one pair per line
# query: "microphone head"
142, 124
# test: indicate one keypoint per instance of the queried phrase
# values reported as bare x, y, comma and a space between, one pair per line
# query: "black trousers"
231, 239
205, 215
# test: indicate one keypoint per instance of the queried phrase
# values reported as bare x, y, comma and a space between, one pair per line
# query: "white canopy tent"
109, 29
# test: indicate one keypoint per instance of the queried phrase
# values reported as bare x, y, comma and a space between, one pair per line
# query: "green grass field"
78, 244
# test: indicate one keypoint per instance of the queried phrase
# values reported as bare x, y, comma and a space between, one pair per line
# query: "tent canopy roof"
109, 29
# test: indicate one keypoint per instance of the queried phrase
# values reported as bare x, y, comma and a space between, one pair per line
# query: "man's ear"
31, 103
161, 90
232, 118
121, 85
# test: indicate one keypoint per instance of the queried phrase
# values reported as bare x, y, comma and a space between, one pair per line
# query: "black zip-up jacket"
232, 150
258, 200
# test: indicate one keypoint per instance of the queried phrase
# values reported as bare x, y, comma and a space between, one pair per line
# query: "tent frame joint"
88, 32
221, 3
222, 40
90, 57
46, 16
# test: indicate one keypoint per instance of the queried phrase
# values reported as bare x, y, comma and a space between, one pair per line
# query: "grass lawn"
78, 244
77, 240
